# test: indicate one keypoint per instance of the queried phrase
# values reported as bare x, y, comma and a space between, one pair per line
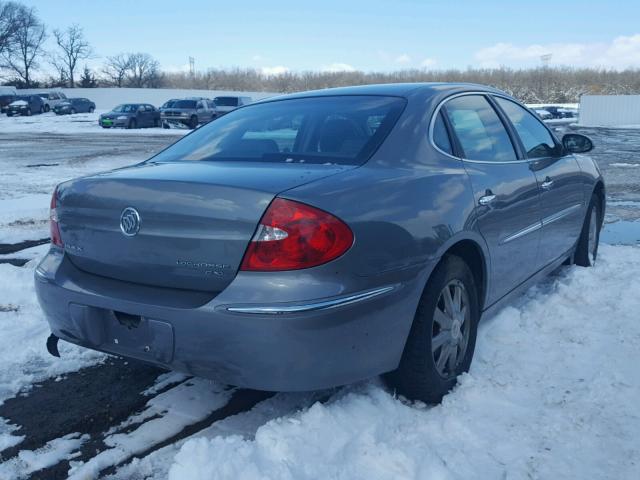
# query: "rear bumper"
278, 346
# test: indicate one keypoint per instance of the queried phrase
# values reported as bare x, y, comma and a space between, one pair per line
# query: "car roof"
405, 90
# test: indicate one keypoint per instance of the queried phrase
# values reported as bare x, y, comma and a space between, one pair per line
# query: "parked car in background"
228, 104
189, 112
25, 105
568, 112
553, 110
51, 99
322, 238
543, 114
5, 99
131, 115
74, 105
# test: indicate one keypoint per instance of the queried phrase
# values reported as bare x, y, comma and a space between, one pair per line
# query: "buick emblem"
130, 221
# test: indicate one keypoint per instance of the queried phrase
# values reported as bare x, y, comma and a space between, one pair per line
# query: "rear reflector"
54, 229
293, 235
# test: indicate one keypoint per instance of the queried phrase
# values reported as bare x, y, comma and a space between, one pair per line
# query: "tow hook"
52, 345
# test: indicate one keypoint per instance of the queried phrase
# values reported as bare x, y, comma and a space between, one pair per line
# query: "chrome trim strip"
521, 233
462, 94
543, 223
561, 214
320, 305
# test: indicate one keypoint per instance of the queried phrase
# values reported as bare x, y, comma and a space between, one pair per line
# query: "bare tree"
143, 70
8, 25
73, 47
532, 85
115, 69
30, 35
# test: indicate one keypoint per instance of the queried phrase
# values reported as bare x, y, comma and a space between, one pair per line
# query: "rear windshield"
226, 101
126, 108
338, 130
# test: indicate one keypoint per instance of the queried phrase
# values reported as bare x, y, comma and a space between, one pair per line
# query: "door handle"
487, 199
547, 184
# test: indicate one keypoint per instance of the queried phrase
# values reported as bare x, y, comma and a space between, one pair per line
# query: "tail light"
292, 235
54, 229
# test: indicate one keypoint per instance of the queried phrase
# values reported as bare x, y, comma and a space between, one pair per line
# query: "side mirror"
577, 143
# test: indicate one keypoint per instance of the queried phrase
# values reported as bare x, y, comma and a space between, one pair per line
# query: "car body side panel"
510, 224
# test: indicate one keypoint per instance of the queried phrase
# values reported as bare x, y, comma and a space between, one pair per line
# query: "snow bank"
553, 393
73, 124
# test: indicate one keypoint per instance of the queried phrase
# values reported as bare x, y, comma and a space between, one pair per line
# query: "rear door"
505, 191
558, 176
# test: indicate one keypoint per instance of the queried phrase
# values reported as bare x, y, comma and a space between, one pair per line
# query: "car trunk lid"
195, 219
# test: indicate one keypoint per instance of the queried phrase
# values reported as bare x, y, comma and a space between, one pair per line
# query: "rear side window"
537, 140
479, 129
340, 129
441, 136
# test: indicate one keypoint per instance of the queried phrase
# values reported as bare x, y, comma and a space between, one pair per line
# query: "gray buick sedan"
320, 238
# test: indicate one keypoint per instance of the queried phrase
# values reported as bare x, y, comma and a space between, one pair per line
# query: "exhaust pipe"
52, 345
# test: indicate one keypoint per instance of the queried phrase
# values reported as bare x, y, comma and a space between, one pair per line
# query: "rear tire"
587, 247
72, 111
29, 112
443, 335
193, 122
91, 109
45, 108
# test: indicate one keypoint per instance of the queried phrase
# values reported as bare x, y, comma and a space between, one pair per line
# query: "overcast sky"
363, 35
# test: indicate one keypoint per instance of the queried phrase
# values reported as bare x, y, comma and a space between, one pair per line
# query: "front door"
505, 191
558, 175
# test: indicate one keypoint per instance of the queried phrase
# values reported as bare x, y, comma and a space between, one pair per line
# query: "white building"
610, 110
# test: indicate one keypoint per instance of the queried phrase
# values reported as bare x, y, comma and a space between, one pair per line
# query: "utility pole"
545, 59
192, 66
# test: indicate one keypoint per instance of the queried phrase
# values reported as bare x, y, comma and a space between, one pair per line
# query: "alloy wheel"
451, 327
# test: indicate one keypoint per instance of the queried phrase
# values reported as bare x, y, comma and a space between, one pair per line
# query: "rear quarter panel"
406, 206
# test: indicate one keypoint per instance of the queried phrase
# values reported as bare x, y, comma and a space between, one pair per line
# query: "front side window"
340, 129
186, 104
480, 131
537, 140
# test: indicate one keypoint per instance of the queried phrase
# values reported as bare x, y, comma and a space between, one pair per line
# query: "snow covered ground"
552, 393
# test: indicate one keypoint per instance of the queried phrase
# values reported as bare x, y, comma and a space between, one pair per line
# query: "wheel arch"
474, 256
599, 192
472, 249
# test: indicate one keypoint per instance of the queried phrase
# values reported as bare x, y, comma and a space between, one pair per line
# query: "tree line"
24, 58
